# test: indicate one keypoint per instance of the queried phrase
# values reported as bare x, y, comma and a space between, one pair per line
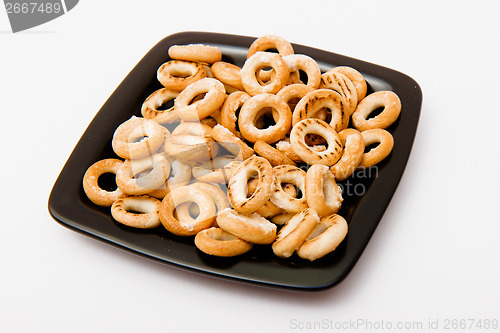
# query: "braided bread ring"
356, 77
296, 62
252, 228
237, 187
325, 238
195, 53
322, 193
292, 175
274, 156
215, 95
387, 99
294, 92
122, 209
177, 74
231, 105
217, 242
231, 142
90, 182
354, 148
258, 61
377, 154
228, 74
250, 113
307, 154
155, 100
295, 232
341, 84
266, 42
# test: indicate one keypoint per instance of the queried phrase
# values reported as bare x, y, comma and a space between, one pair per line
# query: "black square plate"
366, 196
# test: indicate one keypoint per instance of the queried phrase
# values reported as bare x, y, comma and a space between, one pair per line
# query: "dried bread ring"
252, 228
212, 100
315, 126
341, 84
195, 53
296, 62
274, 156
268, 209
267, 42
286, 148
325, 238
180, 195
150, 107
356, 77
295, 232
217, 242
377, 154
217, 170
322, 193
137, 137
293, 93
354, 148
251, 112
231, 142
282, 219
238, 188
386, 99
288, 174
180, 175
254, 64
229, 110
228, 74
190, 148
177, 74
91, 187
136, 211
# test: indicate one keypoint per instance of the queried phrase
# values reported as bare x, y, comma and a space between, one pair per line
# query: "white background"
435, 254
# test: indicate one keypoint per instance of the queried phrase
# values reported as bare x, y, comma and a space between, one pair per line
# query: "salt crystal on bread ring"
228, 74
288, 174
238, 189
325, 238
91, 187
356, 77
141, 176
254, 64
195, 53
295, 232
138, 211
315, 126
177, 74
252, 228
267, 42
341, 84
354, 148
251, 112
296, 62
322, 193
377, 154
319, 99
137, 137
293, 93
386, 99
217, 170
231, 142
150, 106
217, 242
230, 108
190, 227
214, 97
274, 156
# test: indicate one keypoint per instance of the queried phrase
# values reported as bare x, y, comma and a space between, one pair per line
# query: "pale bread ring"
354, 148
177, 74
150, 134
315, 126
90, 182
386, 99
341, 84
286, 148
295, 232
189, 227
228, 74
325, 238
250, 112
266, 42
180, 175
268, 209
217, 242
322, 193
232, 104
125, 207
195, 53
190, 148
217, 170
294, 92
258, 61
231, 142
274, 156
214, 97
296, 62
377, 154
252, 228
282, 219
287, 174
356, 77
150, 107
238, 188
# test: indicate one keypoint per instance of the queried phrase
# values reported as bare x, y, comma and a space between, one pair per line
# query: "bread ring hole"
292, 102
264, 75
371, 146
143, 173
375, 112
137, 138
107, 182
237, 115
194, 210
298, 191
134, 206
303, 76
265, 118
166, 105
179, 72
324, 114
197, 98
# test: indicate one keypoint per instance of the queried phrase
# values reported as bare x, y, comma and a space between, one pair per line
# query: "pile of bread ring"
246, 155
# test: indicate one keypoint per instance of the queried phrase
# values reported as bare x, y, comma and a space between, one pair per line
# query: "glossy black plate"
366, 196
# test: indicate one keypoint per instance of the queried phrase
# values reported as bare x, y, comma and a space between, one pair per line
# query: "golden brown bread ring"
293, 93
190, 148
274, 156
177, 74
315, 126
180, 195
217, 242
325, 238
287, 174
341, 84
180, 175
212, 100
268, 209
238, 189
377, 154
295, 232
283, 218
228, 74
296, 62
267, 42
322, 193
195, 53
150, 106
252, 228
231, 142
356, 77
354, 148
258, 61
136, 211
90, 182
386, 99
217, 170
231, 106
251, 112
